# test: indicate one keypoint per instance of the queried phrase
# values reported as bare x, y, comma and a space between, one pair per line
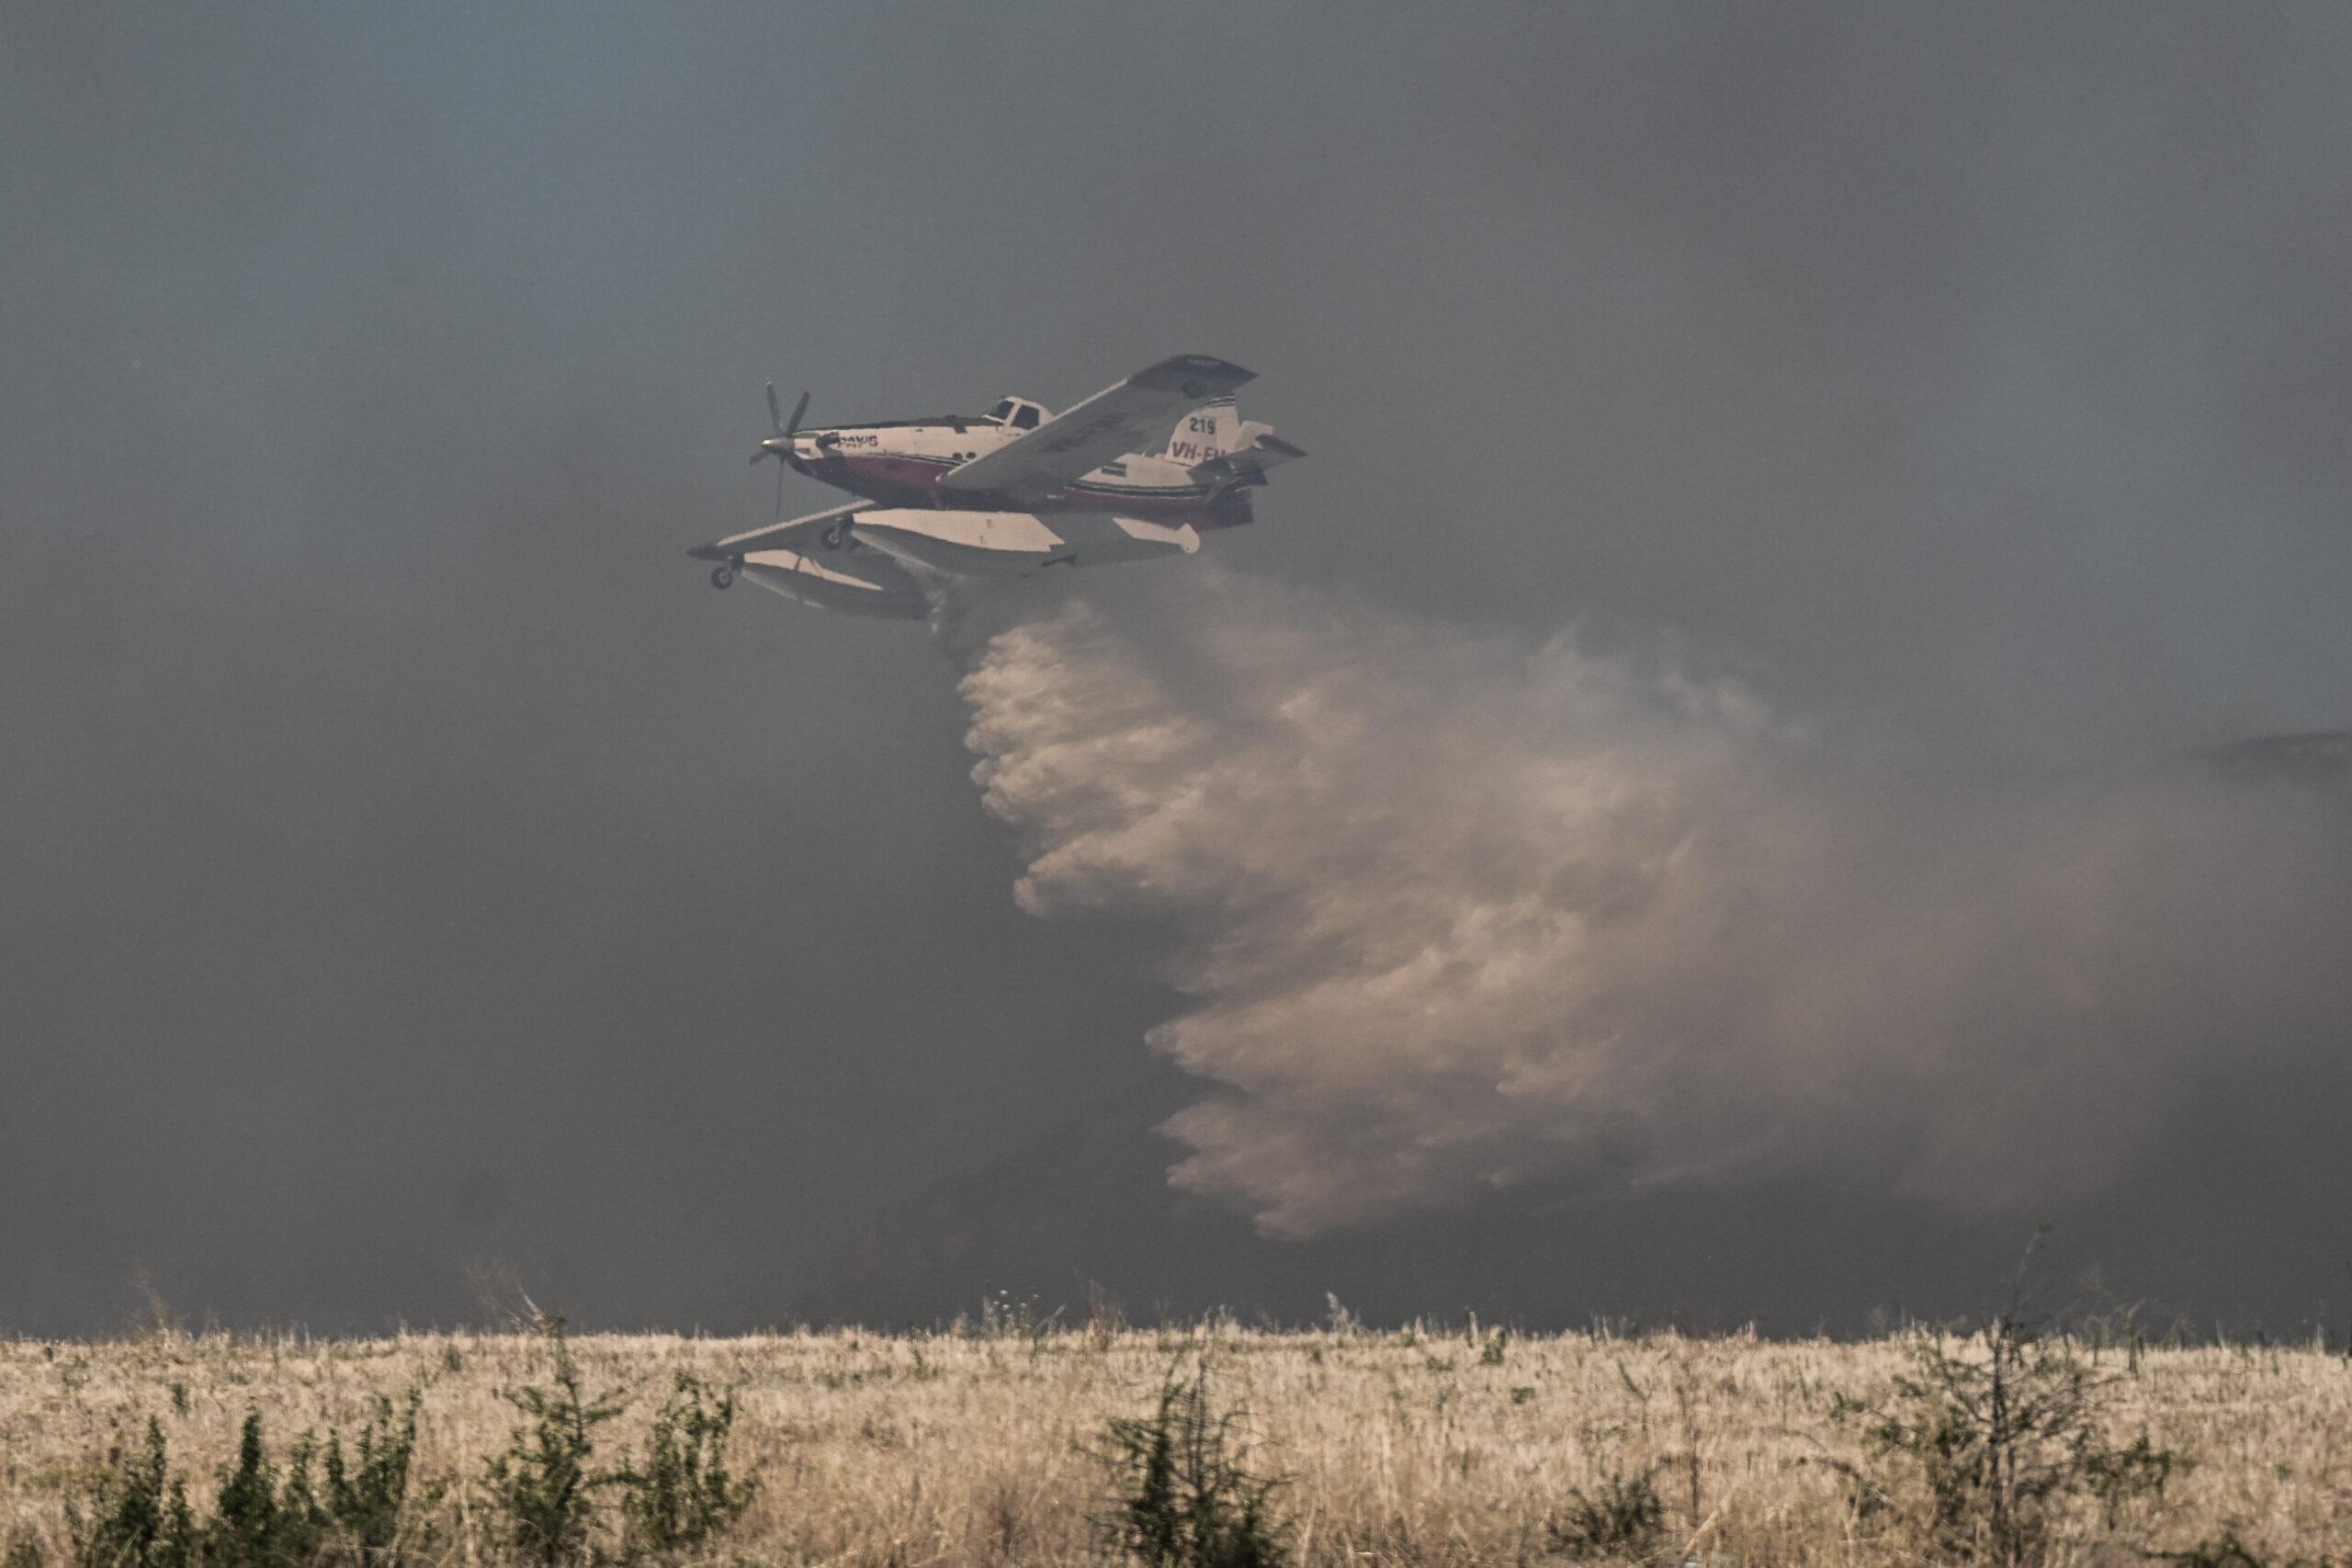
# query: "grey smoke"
409, 861
1457, 911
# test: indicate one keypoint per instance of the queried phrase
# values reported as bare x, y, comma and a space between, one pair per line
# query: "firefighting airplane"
1013, 491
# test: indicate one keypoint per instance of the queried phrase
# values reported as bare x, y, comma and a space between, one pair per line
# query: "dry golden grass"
1400, 1447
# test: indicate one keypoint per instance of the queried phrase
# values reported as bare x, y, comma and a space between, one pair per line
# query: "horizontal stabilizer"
1247, 464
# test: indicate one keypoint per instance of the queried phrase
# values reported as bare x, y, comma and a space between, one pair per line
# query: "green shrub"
2001, 1430
2229, 1552
368, 1499
1184, 1492
249, 1527
1626, 1519
543, 1486
683, 1496
138, 1516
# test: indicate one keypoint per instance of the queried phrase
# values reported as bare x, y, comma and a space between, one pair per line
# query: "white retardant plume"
1458, 913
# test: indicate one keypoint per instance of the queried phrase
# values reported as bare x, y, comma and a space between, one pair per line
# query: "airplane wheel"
722, 575
834, 536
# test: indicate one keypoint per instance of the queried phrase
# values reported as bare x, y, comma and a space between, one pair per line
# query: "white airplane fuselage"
1011, 491
901, 464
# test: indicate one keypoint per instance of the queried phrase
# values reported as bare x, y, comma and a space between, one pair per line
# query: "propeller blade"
782, 428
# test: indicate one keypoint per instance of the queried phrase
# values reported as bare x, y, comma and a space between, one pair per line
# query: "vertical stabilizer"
1208, 431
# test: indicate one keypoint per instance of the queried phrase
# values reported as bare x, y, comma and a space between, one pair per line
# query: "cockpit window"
1024, 418
1001, 412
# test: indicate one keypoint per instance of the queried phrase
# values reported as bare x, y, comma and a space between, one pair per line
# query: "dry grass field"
1421, 1446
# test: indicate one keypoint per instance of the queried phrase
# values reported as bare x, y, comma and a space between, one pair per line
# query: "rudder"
1208, 431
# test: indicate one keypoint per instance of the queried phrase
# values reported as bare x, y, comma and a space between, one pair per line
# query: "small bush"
683, 1496
542, 1486
2002, 1432
1185, 1495
1627, 1519
249, 1527
2228, 1552
138, 1516
368, 1499
2120, 1477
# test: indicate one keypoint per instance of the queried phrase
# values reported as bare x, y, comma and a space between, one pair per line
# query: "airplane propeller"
782, 428
778, 445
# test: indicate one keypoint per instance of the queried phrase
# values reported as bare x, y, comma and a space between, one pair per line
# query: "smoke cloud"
1455, 911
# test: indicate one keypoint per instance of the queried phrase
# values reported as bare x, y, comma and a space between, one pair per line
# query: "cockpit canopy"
1018, 413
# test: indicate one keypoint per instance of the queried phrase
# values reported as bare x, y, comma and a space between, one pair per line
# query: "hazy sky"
411, 870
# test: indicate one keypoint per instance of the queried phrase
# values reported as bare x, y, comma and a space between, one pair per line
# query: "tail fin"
1208, 431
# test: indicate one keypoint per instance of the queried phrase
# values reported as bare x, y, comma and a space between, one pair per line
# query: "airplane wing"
1133, 416
797, 534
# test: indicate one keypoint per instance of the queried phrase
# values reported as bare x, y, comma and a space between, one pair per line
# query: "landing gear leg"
723, 575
